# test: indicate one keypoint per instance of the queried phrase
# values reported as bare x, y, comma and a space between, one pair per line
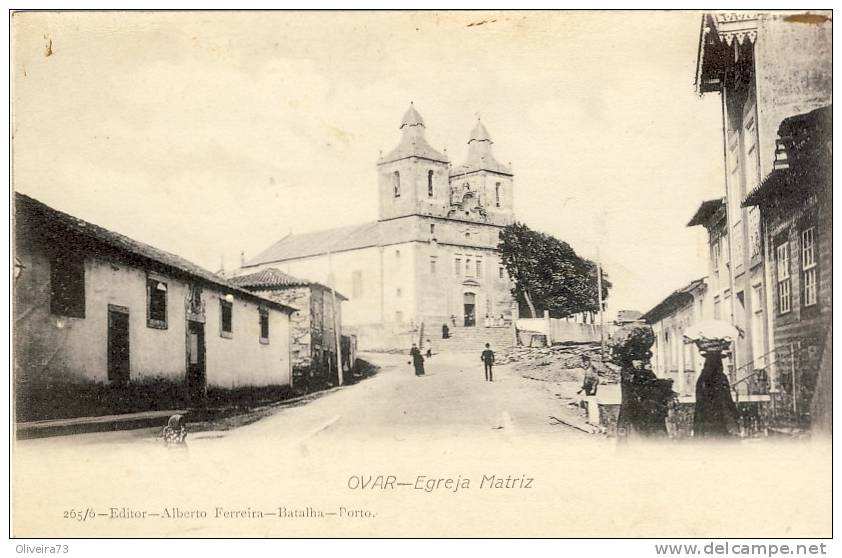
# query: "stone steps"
467, 339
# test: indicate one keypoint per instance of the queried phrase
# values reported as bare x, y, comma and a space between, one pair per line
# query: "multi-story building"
671, 357
765, 67
795, 203
431, 257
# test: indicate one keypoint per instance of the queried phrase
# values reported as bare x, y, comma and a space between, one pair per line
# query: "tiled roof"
629, 315
27, 209
268, 278
706, 211
274, 278
320, 242
678, 299
803, 157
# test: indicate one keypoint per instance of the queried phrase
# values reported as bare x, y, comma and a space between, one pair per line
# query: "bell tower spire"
480, 154
413, 143
483, 174
412, 175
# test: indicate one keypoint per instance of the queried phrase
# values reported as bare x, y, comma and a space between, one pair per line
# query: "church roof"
340, 239
413, 143
480, 155
320, 242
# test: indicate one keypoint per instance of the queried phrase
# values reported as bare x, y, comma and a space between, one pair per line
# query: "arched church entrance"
470, 309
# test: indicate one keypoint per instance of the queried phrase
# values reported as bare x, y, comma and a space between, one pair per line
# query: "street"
301, 471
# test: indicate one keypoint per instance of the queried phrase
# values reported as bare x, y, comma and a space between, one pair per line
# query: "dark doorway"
118, 344
470, 310
196, 362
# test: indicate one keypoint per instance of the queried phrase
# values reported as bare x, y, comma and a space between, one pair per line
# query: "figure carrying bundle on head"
646, 398
716, 415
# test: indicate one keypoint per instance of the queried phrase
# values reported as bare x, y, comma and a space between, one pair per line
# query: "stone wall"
300, 322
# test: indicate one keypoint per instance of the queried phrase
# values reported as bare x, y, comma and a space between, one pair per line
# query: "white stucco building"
106, 324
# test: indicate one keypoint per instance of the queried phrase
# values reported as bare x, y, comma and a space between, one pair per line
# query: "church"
431, 257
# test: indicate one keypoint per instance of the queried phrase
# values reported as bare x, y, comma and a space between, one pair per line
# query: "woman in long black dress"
645, 397
716, 413
417, 360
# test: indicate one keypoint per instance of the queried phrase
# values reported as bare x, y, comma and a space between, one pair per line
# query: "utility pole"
599, 295
336, 334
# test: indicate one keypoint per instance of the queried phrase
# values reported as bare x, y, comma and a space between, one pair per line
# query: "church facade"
431, 257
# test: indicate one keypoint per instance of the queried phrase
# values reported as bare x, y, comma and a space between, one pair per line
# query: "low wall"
539, 325
561, 331
379, 338
753, 418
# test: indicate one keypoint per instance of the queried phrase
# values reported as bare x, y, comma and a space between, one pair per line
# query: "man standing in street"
488, 358
590, 382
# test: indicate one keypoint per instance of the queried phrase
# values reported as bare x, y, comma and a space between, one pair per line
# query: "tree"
547, 272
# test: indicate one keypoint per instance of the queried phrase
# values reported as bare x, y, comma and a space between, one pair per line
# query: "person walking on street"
716, 414
488, 358
590, 383
429, 346
417, 360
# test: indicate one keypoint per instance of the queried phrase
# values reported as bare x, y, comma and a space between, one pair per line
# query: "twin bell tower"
416, 179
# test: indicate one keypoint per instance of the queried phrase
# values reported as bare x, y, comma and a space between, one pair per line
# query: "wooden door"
470, 307
118, 344
196, 381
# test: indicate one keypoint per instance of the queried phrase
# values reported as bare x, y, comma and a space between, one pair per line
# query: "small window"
429, 184
457, 266
479, 269
754, 241
67, 285
501, 272
716, 255
432, 228
396, 183
264, 326
784, 280
357, 284
498, 194
226, 319
433, 262
467, 236
808, 266
156, 303
468, 269
397, 254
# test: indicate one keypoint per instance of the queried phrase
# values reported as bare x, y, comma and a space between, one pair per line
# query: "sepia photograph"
422, 274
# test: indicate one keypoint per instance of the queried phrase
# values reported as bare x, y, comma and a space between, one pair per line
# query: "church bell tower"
414, 175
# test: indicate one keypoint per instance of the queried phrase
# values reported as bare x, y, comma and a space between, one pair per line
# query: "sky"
208, 134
